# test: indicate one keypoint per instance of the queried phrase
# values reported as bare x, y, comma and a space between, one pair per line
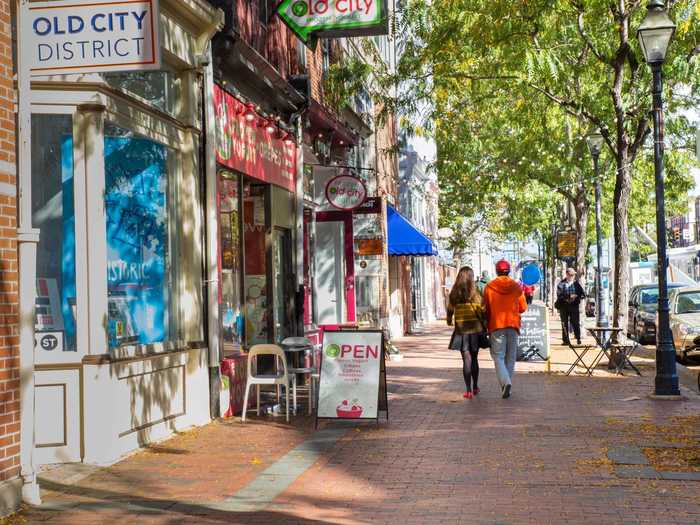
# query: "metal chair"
266, 379
302, 344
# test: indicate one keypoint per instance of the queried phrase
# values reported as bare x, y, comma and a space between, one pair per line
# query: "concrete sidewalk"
562, 450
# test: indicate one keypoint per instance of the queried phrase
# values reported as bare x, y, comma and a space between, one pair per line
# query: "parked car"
685, 321
641, 317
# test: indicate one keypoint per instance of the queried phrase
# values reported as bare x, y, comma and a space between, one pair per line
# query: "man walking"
569, 295
504, 301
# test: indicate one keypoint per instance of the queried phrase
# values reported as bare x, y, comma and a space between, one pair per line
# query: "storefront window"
53, 213
230, 278
255, 277
160, 89
137, 172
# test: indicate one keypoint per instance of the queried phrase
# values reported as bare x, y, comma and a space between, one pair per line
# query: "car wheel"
683, 357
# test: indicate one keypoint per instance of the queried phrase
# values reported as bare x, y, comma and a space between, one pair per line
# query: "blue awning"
405, 239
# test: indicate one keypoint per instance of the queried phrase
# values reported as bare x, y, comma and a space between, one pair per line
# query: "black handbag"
484, 340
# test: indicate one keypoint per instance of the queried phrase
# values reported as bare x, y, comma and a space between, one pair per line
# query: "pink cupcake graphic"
346, 410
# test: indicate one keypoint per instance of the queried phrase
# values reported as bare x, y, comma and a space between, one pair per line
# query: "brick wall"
9, 300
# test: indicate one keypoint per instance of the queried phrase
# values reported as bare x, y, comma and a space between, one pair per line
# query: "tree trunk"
623, 186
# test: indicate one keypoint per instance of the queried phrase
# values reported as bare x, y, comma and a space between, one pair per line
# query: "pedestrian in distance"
465, 307
504, 302
483, 281
528, 290
569, 296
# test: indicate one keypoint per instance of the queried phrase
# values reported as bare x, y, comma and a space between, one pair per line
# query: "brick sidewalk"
542, 456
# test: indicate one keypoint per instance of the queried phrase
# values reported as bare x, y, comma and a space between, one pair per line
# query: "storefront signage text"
250, 148
310, 18
346, 192
79, 36
566, 244
350, 375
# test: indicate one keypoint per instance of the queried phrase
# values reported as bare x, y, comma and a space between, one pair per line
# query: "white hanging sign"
346, 192
79, 36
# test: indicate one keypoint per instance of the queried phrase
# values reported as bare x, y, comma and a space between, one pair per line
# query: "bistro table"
298, 348
603, 338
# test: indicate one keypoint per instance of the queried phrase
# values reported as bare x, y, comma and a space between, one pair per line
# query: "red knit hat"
502, 266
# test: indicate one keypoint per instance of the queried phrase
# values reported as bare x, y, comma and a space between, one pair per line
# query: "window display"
255, 278
230, 260
53, 213
138, 242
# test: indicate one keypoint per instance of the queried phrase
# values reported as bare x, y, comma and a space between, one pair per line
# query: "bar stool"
297, 345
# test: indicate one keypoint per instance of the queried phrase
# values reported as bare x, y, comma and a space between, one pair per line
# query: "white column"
89, 124
212, 219
27, 240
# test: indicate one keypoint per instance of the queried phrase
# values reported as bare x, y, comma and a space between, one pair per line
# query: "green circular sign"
332, 351
299, 8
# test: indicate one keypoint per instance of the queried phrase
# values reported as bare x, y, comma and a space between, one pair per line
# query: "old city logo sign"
346, 192
338, 18
247, 147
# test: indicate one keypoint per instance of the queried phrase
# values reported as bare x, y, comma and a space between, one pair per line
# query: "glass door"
282, 284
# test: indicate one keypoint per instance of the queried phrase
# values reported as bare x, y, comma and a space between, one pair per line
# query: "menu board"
350, 375
534, 335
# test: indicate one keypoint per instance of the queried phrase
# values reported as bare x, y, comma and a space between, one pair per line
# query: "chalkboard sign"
534, 333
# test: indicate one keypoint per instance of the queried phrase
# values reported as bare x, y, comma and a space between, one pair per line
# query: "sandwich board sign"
85, 36
309, 19
534, 333
353, 376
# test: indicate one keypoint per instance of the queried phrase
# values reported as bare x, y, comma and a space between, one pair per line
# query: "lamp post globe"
654, 36
595, 142
655, 32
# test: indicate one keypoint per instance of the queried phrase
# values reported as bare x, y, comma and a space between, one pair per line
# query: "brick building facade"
9, 300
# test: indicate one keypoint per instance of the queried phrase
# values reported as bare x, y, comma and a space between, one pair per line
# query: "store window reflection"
255, 277
137, 172
232, 327
53, 213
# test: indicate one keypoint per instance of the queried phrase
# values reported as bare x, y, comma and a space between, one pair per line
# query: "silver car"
685, 321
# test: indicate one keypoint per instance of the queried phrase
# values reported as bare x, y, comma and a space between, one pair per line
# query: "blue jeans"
504, 349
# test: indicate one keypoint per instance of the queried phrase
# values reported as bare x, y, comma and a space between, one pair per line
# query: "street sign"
84, 36
334, 18
351, 366
566, 244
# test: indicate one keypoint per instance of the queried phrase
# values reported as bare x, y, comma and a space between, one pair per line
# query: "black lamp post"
654, 36
595, 145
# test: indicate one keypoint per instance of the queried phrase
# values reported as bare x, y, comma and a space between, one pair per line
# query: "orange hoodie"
504, 301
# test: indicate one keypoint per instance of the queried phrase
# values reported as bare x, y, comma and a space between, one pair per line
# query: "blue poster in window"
68, 246
137, 239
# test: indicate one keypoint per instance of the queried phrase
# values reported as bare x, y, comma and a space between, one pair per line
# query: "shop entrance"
334, 283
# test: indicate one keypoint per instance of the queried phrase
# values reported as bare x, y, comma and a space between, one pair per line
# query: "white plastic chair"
266, 379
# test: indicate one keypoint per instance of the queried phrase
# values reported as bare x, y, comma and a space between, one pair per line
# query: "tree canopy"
514, 85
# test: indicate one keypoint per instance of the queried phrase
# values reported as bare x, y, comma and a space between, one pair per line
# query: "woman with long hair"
466, 308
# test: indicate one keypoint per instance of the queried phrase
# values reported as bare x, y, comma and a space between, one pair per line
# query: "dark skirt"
464, 342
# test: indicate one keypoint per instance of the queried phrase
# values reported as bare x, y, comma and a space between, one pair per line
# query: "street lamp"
595, 145
654, 36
